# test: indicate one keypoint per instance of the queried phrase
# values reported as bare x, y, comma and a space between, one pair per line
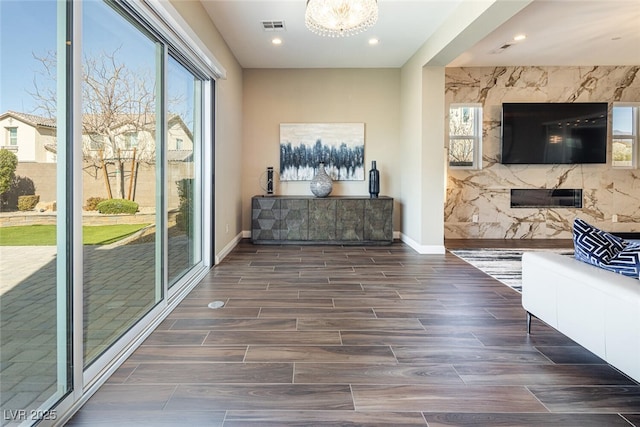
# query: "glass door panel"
119, 86
184, 101
34, 319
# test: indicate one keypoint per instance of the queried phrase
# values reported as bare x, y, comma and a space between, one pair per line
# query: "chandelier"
340, 18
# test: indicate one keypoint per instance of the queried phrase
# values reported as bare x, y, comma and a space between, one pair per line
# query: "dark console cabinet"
330, 220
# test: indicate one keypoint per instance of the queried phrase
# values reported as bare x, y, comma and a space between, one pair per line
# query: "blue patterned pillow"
594, 246
626, 262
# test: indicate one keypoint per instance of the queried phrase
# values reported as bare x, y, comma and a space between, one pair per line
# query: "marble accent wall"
486, 192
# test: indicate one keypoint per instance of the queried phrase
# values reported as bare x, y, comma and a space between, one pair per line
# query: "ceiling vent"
502, 47
273, 25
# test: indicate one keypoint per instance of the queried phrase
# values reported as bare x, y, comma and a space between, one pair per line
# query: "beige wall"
228, 128
392, 102
279, 96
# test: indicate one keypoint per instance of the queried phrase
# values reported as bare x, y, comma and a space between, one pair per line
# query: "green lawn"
45, 235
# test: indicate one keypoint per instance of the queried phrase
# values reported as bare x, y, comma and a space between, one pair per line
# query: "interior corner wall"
423, 171
433, 158
423, 112
275, 96
411, 154
228, 127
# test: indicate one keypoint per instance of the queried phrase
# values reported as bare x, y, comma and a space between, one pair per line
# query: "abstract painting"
340, 146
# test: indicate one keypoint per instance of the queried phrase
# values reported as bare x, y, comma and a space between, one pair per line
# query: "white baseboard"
228, 248
422, 249
397, 235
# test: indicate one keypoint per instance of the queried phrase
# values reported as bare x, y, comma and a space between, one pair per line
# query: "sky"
28, 28
25, 27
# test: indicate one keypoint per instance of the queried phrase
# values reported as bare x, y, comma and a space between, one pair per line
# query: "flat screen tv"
554, 133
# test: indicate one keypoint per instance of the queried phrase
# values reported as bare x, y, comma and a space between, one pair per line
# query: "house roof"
179, 155
172, 155
52, 148
31, 119
176, 119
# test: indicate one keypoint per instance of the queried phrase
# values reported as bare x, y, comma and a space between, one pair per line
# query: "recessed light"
373, 41
519, 37
277, 41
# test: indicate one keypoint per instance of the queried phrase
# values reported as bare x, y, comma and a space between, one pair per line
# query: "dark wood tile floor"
321, 335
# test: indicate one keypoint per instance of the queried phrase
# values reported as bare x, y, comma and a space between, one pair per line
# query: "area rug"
504, 265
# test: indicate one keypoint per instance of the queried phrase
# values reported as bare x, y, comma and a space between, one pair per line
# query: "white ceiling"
564, 32
559, 32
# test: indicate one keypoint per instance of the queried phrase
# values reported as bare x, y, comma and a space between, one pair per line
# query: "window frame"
96, 142
476, 136
130, 140
633, 138
12, 136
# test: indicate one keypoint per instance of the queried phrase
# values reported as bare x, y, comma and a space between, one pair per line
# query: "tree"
8, 165
119, 106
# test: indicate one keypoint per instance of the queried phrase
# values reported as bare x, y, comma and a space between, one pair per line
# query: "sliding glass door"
102, 200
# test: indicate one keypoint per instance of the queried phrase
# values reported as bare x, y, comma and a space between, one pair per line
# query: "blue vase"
374, 181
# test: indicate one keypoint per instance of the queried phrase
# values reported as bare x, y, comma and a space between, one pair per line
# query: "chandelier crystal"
340, 18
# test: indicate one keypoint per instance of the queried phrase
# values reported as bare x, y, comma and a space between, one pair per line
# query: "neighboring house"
28, 136
33, 139
141, 135
179, 136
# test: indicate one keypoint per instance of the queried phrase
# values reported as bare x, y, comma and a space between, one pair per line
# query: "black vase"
374, 181
270, 180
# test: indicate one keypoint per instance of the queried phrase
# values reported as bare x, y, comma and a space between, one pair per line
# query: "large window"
465, 136
626, 119
119, 233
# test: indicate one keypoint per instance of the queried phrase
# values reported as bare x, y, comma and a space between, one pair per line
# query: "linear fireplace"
546, 198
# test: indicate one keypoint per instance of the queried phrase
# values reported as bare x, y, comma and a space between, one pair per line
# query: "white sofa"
598, 309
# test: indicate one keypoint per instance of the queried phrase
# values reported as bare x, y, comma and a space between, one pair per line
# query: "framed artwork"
340, 146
